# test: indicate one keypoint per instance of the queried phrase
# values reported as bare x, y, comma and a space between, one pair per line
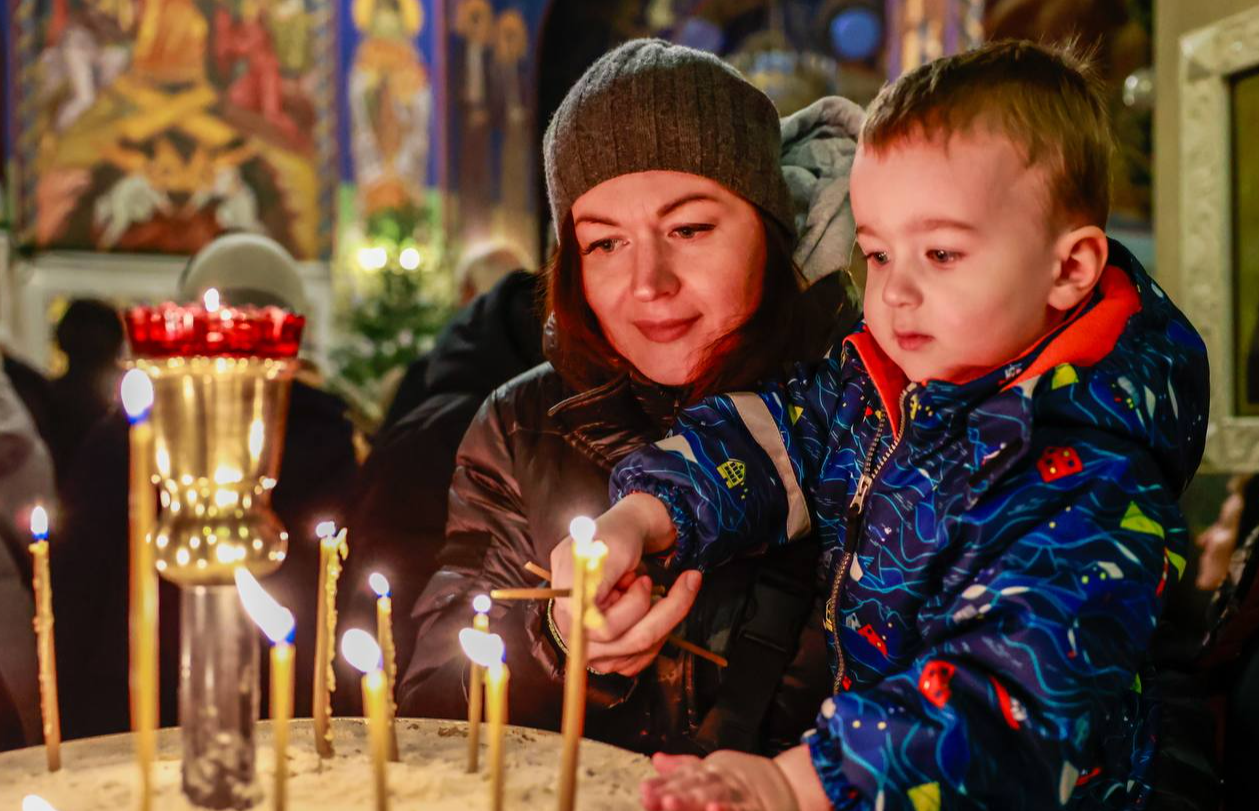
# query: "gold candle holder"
218, 435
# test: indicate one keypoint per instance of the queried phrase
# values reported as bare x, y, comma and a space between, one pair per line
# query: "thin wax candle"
332, 551
137, 401
47, 645
277, 623
480, 622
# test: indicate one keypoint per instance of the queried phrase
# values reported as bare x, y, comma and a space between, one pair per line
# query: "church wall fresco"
155, 125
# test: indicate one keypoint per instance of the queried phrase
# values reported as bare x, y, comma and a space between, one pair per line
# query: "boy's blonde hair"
1046, 99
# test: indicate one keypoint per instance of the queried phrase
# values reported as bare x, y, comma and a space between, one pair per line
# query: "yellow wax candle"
486, 651
137, 400
384, 633
588, 556
496, 677
281, 713
362, 651
332, 551
480, 622
46, 643
277, 623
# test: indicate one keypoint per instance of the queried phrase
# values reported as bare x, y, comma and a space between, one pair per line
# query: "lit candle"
46, 643
332, 550
384, 632
481, 622
486, 651
361, 650
278, 624
137, 401
588, 555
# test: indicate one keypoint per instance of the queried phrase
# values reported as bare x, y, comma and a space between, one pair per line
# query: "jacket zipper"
854, 525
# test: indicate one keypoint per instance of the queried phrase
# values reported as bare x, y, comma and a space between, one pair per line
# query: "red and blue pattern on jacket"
997, 552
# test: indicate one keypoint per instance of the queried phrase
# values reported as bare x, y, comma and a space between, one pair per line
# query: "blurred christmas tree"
399, 300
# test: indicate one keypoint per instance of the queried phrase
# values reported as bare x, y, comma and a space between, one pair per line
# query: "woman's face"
670, 263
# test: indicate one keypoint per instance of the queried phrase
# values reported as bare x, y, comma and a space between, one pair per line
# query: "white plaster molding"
31, 285
1208, 57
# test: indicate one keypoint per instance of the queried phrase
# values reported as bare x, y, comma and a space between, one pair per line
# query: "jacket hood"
491, 339
1127, 363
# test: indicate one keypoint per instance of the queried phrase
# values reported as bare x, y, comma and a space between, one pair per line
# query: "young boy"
992, 462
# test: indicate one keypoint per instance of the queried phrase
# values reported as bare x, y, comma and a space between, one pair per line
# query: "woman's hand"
634, 628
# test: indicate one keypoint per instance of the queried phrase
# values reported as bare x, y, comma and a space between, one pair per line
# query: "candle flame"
360, 649
39, 522
481, 603
379, 584
32, 802
137, 394
326, 529
275, 620
483, 648
582, 529
211, 300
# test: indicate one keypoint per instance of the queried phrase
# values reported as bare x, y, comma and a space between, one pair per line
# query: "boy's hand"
723, 781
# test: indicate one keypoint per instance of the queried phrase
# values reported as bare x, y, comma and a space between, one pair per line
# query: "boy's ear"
1081, 255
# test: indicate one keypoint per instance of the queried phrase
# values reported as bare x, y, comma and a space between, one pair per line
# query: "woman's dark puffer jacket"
537, 455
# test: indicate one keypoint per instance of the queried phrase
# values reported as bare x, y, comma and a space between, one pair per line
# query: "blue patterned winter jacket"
997, 552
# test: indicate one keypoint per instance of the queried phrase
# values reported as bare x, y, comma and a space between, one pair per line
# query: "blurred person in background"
317, 471
90, 335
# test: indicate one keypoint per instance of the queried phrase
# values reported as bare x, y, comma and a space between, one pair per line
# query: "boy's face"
961, 257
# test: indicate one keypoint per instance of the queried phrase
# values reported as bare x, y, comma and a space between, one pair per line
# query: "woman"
673, 277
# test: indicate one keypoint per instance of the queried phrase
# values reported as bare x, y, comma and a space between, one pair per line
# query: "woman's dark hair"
788, 323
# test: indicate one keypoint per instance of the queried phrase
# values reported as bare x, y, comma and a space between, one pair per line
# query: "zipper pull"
859, 497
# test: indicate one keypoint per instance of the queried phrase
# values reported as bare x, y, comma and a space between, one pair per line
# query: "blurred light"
483, 648
325, 529
379, 584
373, 257
137, 394
856, 33
409, 259
275, 620
481, 603
211, 300
257, 433
360, 650
699, 33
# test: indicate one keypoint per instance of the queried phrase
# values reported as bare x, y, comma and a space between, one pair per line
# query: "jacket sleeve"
487, 538
1025, 671
738, 470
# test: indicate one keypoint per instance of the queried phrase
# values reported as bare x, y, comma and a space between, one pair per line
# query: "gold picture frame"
1219, 232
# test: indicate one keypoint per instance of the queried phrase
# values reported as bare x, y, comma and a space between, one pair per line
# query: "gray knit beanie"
651, 105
